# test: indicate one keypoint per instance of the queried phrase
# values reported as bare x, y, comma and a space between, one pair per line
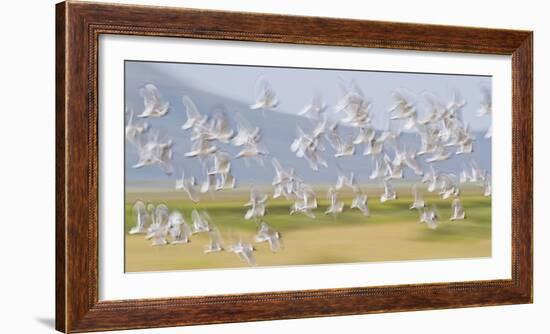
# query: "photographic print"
231, 166
318, 166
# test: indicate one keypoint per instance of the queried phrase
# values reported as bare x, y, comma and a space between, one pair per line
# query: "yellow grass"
392, 233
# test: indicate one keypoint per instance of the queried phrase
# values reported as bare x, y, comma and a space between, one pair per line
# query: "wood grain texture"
60, 97
78, 28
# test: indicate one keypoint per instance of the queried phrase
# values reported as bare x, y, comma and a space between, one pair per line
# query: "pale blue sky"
296, 86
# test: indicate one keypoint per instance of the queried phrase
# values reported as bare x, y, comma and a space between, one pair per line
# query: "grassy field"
391, 233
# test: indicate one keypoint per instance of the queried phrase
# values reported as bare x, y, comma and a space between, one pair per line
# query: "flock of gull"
440, 128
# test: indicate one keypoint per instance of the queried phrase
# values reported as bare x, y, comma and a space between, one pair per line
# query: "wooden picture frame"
78, 27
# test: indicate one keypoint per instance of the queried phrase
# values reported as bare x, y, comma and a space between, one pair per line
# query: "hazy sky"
233, 86
295, 87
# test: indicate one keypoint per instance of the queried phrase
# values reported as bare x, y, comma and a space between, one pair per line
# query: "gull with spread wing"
284, 180
265, 98
154, 106
403, 105
245, 251
394, 169
222, 171
194, 117
315, 108
257, 204
220, 129
246, 134
352, 102
305, 201
266, 234
155, 152
342, 147
201, 148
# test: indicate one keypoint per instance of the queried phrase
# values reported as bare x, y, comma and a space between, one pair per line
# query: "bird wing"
175, 218
161, 213
248, 256
190, 108
151, 96
195, 216
215, 238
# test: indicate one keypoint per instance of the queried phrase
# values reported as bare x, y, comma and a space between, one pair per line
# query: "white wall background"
27, 165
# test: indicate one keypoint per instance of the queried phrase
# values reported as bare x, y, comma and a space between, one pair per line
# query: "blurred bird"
314, 109
393, 170
246, 134
207, 183
158, 230
455, 105
141, 218
153, 103
178, 229
215, 244
344, 180
157, 233
403, 105
360, 201
430, 217
265, 96
245, 251
486, 184
284, 181
266, 234
252, 151
389, 192
222, 171
352, 102
134, 130
378, 169
439, 154
194, 117
418, 201
257, 205
162, 214
365, 136
188, 186
220, 129
342, 148
457, 211
201, 149
486, 101
336, 205
308, 147
305, 201
201, 222
155, 152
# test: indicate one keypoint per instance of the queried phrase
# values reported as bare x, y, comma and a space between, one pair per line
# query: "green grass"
391, 233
